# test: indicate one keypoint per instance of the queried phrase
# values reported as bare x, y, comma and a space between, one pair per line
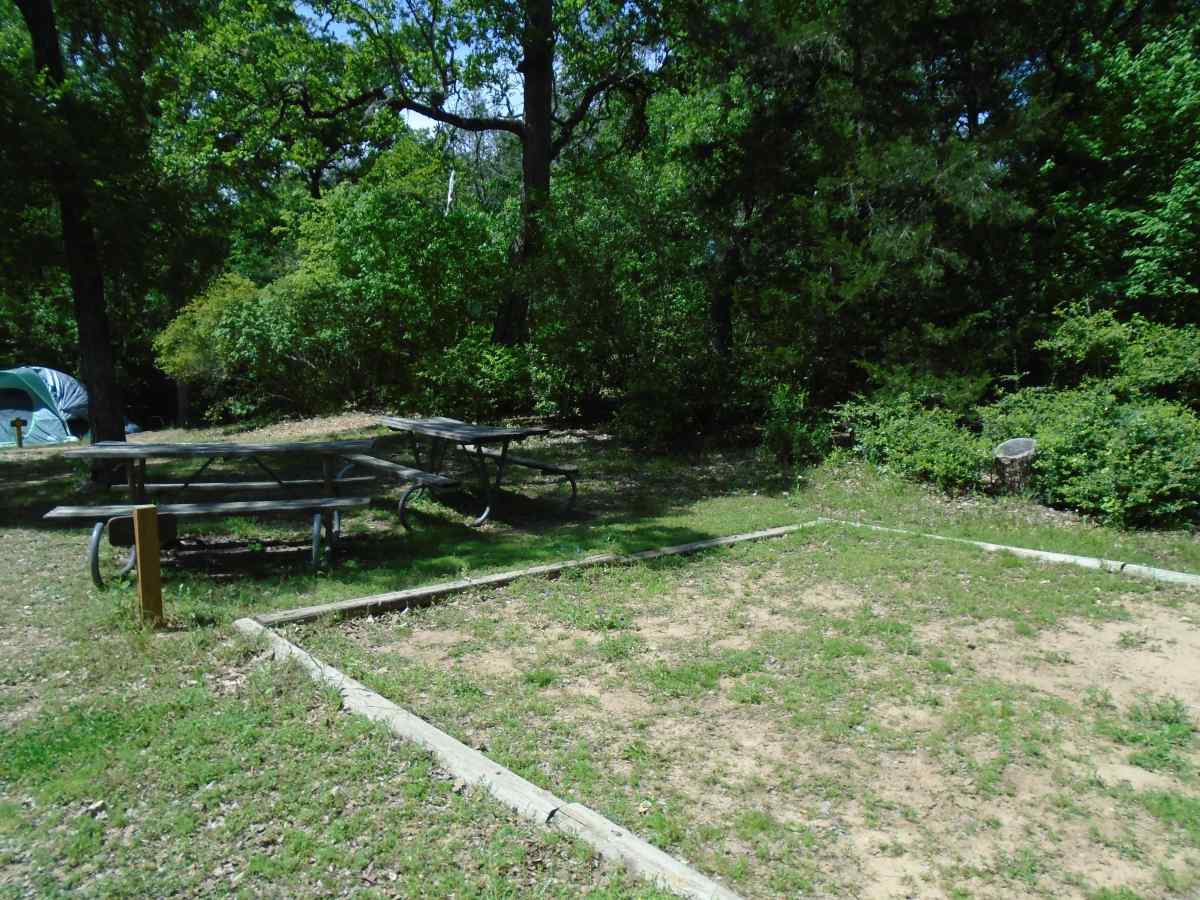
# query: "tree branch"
567, 127
304, 101
466, 123
437, 113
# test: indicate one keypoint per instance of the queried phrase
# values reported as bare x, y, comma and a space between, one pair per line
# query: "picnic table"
480, 443
324, 501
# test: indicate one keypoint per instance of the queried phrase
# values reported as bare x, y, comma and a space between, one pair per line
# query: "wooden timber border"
422, 596
1117, 567
532, 802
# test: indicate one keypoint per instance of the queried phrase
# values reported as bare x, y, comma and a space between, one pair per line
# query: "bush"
1129, 461
479, 380
383, 282
791, 429
901, 435
186, 349
1135, 356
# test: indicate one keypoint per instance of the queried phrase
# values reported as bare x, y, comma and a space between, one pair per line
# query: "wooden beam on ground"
1087, 562
148, 550
421, 596
532, 802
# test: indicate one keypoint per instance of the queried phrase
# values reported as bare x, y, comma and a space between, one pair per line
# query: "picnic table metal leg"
93, 556
437, 455
333, 520
270, 472
316, 540
408, 495
188, 482
574, 491
489, 488
324, 539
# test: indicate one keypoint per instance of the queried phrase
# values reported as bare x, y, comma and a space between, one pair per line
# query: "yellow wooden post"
145, 538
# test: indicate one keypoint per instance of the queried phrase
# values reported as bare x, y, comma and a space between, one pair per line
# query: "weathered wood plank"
513, 460
460, 432
422, 595
398, 471
230, 508
220, 487
121, 450
529, 800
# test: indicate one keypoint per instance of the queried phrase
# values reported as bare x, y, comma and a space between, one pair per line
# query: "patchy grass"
179, 761
845, 714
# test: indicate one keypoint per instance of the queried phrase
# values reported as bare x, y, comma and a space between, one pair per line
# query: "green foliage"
479, 380
958, 392
1129, 461
928, 444
1160, 733
792, 430
187, 348
1136, 355
1127, 229
384, 282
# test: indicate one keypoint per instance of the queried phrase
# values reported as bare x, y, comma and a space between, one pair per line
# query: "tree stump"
1014, 463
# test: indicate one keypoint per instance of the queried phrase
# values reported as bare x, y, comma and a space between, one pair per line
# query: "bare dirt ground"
824, 736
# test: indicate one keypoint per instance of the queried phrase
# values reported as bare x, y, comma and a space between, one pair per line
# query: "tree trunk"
183, 402
537, 68
79, 241
720, 308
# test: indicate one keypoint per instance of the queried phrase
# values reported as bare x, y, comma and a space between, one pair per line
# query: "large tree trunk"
720, 307
79, 241
537, 68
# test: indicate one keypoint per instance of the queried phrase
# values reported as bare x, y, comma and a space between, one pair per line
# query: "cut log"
1014, 463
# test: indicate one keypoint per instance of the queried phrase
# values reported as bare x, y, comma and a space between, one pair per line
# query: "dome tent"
46, 399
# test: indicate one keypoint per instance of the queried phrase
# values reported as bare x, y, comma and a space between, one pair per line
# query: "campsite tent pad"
46, 399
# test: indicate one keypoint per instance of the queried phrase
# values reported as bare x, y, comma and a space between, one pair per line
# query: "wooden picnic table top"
126, 451
461, 432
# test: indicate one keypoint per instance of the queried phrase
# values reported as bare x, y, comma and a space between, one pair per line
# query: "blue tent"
46, 399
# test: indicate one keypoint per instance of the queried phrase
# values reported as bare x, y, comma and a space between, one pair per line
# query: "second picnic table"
480, 443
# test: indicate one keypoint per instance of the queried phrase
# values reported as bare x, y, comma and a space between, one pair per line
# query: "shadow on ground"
628, 501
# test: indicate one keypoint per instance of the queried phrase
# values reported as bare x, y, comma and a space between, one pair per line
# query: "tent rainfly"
45, 399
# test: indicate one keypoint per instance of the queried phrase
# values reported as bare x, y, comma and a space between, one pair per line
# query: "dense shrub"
479, 380
1135, 356
187, 349
1130, 461
901, 435
385, 282
792, 430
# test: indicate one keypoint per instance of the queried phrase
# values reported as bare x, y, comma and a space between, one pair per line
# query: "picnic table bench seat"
326, 516
569, 471
221, 487
417, 479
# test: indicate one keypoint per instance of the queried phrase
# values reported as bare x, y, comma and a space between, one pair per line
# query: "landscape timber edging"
1088, 562
610, 840
419, 596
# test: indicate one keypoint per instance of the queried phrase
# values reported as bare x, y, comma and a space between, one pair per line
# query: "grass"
830, 712
180, 761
